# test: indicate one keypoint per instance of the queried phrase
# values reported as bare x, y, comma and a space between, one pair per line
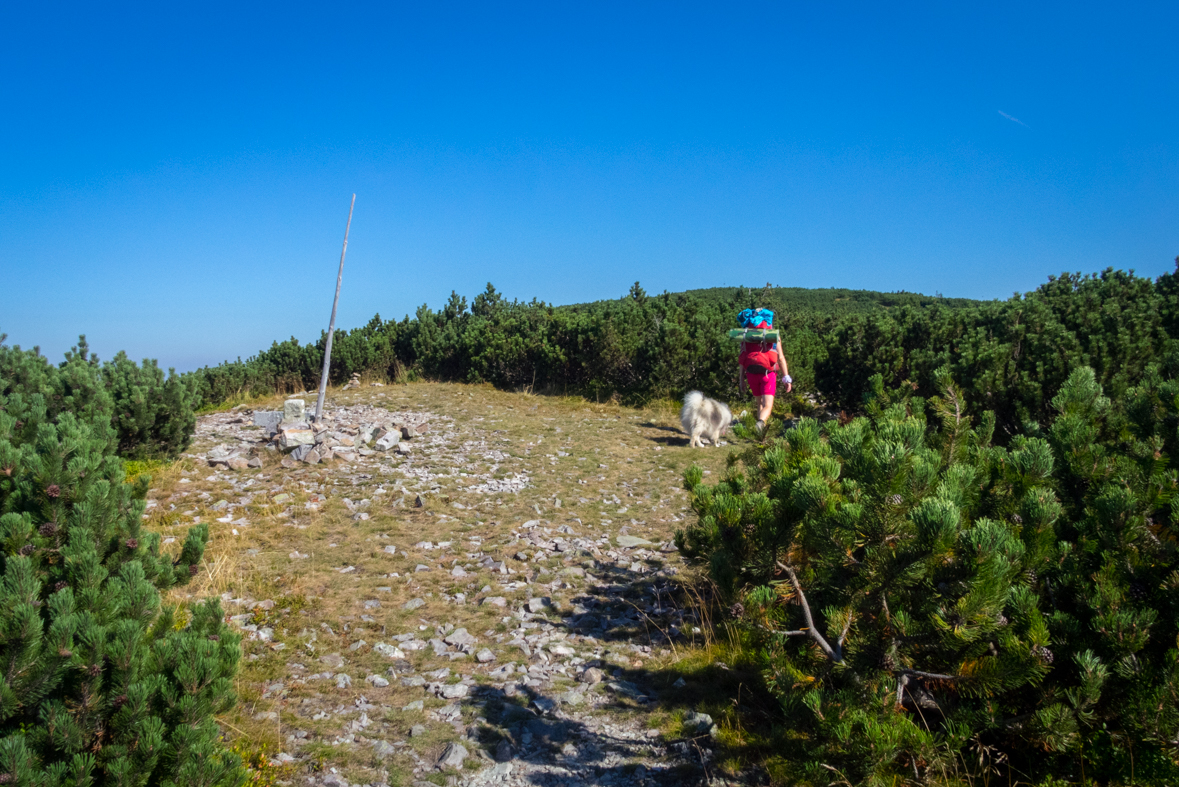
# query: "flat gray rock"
459, 638
388, 441
302, 452
267, 419
453, 691
453, 756
388, 651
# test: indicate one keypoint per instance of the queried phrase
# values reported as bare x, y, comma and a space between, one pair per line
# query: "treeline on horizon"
1010, 357
635, 349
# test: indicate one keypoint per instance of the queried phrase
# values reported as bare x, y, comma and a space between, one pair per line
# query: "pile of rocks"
303, 439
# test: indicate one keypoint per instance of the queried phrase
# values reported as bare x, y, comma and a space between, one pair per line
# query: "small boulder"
390, 440
388, 651
459, 638
301, 453
267, 419
452, 756
453, 691
294, 437
697, 723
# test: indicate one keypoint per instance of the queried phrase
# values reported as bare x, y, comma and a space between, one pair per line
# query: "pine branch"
811, 631
930, 675
903, 676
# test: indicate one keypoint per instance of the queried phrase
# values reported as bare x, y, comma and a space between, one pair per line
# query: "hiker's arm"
785, 368
740, 380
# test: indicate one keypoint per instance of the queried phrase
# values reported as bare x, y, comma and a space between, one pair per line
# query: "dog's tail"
693, 399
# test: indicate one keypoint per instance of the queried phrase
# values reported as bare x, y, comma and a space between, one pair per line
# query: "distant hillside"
827, 300
834, 299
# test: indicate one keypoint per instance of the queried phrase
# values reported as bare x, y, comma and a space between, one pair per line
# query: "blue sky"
174, 181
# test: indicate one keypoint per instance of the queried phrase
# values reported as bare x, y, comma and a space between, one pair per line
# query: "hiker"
759, 364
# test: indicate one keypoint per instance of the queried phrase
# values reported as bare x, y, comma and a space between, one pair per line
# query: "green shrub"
146, 415
932, 605
153, 415
1009, 357
98, 684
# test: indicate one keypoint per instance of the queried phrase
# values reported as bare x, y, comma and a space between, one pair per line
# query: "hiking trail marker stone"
294, 410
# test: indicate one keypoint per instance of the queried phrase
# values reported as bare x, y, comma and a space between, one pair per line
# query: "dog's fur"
704, 419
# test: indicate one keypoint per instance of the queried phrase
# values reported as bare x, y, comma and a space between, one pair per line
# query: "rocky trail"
446, 584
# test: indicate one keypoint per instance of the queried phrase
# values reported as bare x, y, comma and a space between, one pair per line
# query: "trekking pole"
327, 351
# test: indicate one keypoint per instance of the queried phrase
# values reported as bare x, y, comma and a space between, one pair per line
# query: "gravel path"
491, 600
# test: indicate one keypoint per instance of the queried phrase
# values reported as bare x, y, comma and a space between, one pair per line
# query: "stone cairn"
339, 435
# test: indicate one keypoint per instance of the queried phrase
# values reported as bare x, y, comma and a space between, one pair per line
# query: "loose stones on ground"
564, 670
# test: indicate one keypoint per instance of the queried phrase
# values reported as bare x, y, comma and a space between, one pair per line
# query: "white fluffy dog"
704, 419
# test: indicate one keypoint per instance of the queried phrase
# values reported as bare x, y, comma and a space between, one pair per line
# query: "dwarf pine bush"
931, 606
151, 416
99, 683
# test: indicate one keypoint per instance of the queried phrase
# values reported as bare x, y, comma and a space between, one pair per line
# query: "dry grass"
611, 453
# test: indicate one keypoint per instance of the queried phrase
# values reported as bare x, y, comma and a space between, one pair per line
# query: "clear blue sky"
174, 178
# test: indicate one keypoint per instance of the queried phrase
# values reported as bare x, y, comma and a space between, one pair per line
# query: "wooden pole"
327, 351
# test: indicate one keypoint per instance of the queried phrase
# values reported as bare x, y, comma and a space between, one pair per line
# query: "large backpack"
760, 354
